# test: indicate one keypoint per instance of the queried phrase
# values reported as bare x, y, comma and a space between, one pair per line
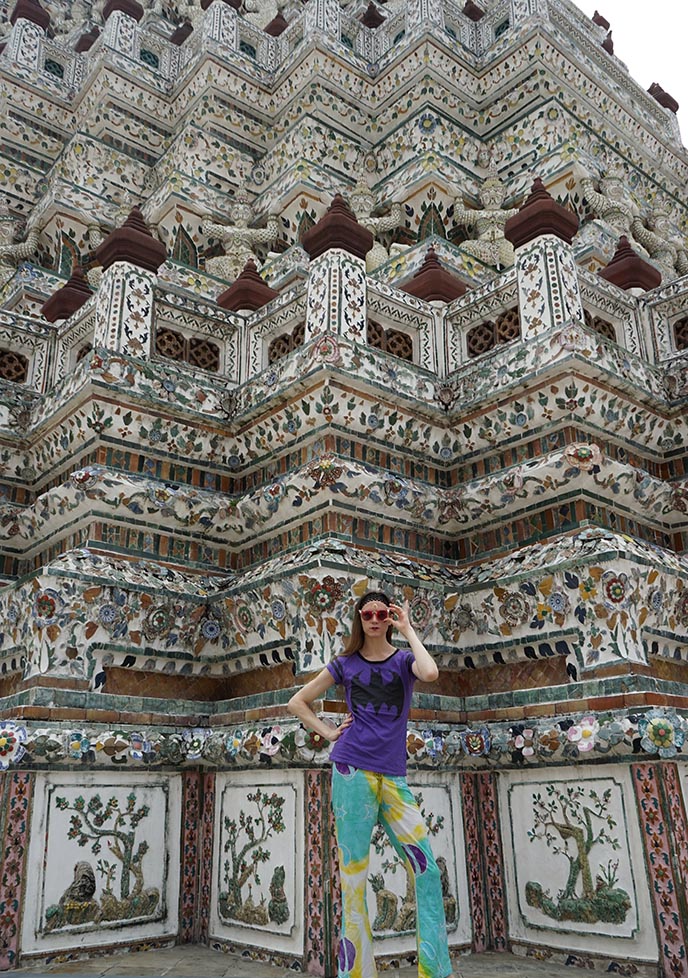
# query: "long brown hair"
356, 639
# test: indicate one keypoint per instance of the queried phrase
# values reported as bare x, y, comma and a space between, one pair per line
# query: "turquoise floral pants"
360, 799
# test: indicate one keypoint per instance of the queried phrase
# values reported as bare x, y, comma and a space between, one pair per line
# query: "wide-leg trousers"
361, 799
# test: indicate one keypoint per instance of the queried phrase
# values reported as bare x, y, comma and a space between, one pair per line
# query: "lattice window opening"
481, 338
285, 343
600, 325
170, 344
14, 366
680, 330
53, 68
393, 341
198, 351
203, 353
149, 58
485, 336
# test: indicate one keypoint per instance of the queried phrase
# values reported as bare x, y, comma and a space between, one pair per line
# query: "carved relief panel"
103, 860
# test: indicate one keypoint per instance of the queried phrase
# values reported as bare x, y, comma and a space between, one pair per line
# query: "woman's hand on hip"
336, 730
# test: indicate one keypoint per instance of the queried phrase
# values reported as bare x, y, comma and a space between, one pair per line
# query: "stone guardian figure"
489, 243
612, 203
12, 255
238, 239
362, 203
656, 235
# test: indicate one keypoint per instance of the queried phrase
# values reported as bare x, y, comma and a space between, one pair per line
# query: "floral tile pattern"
193, 497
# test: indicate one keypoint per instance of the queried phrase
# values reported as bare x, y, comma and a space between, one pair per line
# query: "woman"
369, 778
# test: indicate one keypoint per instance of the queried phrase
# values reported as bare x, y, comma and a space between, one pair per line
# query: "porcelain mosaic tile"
192, 498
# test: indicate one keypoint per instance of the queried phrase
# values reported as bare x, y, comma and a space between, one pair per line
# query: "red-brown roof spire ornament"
232, 3
371, 17
30, 10
277, 25
130, 7
87, 40
628, 270
180, 34
338, 228
73, 294
132, 243
249, 291
665, 100
473, 11
434, 283
540, 214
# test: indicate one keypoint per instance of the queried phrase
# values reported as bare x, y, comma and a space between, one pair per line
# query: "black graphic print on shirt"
383, 690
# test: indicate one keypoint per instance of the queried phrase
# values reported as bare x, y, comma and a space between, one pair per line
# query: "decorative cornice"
570, 739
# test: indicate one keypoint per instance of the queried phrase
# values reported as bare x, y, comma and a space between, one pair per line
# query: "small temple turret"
248, 291
133, 243
628, 270
433, 282
70, 298
338, 228
540, 214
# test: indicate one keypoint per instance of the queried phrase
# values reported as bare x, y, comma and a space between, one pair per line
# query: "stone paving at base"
189, 961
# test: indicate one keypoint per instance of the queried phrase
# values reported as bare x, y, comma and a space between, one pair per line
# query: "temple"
297, 301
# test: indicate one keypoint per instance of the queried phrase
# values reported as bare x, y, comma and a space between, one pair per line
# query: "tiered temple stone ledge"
432, 743
546, 615
576, 350
637, 688
97, 493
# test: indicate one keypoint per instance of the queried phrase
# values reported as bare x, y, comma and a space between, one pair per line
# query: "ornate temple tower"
298, 301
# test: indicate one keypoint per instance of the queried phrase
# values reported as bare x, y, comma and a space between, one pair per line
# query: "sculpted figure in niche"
11, 255
612, 203
489, 243
260, 12
64, 19
656, 235
181, 11
362, 203
238, 239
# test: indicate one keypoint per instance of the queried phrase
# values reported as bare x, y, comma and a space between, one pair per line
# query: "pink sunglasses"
382, 615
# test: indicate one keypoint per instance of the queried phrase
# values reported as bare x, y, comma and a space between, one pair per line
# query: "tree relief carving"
111, 887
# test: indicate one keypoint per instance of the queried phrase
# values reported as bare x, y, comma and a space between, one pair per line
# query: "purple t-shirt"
378, 695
